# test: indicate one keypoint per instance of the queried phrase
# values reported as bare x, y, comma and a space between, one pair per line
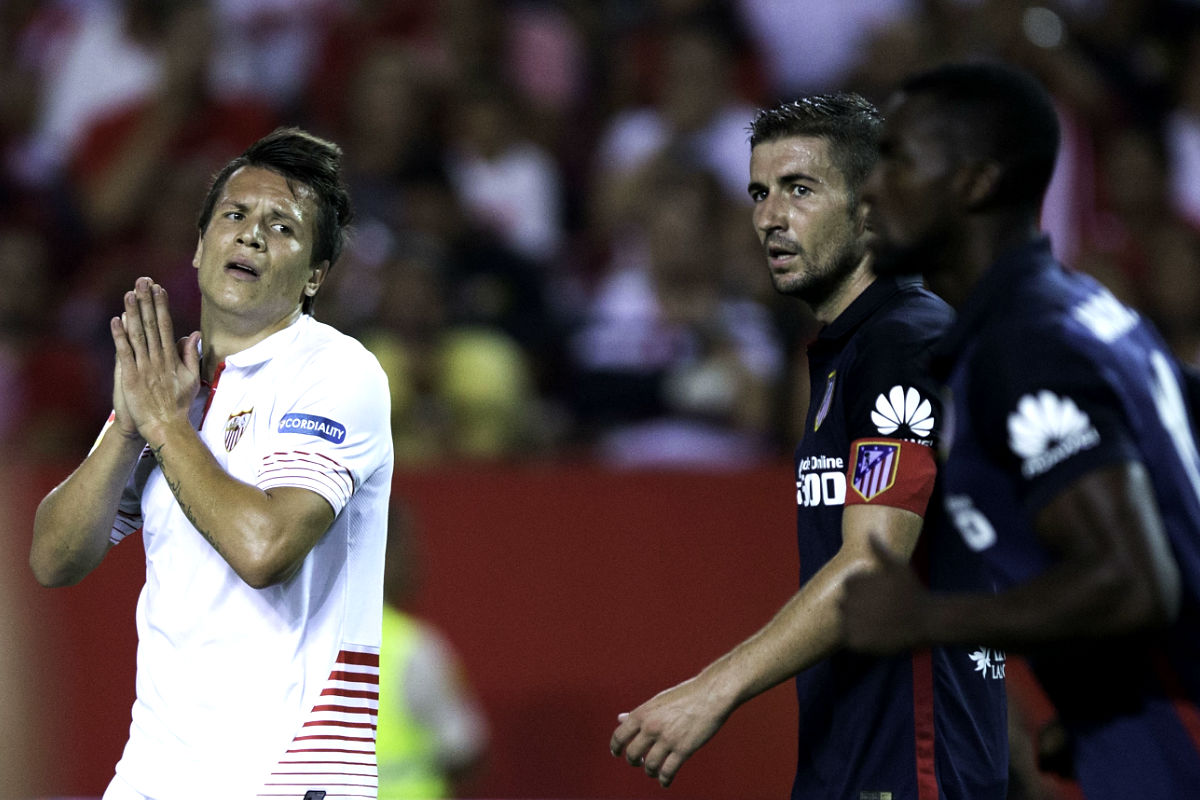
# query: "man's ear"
862, 223
862, 217
316, 279
978, 182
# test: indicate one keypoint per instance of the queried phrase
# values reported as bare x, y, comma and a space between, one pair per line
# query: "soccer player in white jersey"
255, 456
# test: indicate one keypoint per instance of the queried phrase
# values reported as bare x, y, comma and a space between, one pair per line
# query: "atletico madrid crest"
875, 465
234, 427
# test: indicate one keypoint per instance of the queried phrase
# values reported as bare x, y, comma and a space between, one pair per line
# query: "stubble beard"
816, 283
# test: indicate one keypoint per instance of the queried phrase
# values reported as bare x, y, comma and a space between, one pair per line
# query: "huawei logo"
903, 408
1047, 429
1105, 317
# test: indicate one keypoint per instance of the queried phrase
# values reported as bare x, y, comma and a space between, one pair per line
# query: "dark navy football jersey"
1051, 377
927, 725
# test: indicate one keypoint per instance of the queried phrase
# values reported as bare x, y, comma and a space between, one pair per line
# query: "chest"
820, 456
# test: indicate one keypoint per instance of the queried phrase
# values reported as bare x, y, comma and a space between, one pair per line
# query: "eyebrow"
797, 177
791, 177
275, 211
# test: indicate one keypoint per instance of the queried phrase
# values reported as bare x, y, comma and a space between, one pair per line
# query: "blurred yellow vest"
405, 747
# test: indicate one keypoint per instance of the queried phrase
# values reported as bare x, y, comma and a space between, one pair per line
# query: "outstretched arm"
1115, 576
264, 535
662, 733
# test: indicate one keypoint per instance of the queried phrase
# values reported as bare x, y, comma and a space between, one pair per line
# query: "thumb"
189, 351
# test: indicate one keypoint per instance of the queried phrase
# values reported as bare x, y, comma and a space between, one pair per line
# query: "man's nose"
768, 214
250, 234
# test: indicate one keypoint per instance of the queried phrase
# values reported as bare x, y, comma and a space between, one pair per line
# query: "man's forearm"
262, 536
224, 510
73, 523
804, 631
1063, 604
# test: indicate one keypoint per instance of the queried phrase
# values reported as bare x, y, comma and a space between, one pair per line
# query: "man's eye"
758, 195
284, 229
799, 190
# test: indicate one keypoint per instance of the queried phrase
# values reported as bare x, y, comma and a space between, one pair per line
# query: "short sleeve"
889, 391
893, 419
1046, 420
330, 430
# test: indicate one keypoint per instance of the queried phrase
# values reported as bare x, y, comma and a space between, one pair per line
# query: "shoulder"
323, 362
910, 320
334, 353
1061, 317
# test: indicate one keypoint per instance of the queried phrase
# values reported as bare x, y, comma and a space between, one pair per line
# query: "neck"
221, 340
981, 245
830, 308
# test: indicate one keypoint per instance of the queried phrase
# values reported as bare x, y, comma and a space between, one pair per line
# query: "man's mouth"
778, 246
780, 252
242, 267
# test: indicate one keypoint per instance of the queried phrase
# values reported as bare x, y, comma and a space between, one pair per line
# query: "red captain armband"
890, 472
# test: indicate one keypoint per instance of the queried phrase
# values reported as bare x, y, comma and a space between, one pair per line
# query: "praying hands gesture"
155, 378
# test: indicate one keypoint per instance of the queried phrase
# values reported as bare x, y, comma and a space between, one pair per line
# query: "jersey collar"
268, 348
864, 306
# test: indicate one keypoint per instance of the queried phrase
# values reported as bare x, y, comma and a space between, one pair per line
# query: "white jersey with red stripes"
245, 692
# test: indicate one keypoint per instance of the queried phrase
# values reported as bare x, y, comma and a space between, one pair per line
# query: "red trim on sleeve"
890, 472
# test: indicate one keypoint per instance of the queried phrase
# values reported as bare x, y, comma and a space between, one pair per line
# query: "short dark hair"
1000, 113
300, 157
847, 120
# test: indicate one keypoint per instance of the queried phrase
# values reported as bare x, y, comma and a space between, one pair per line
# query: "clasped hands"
155, 377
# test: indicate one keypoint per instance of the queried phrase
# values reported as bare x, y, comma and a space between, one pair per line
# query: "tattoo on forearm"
175, 488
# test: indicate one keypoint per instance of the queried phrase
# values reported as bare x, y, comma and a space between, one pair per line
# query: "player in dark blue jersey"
1071, 465
920, 726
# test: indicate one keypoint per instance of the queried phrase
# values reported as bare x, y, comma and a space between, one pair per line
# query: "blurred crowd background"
553, 256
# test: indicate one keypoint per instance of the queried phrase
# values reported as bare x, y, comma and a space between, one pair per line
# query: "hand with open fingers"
882, 607
156, 377
663, 732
